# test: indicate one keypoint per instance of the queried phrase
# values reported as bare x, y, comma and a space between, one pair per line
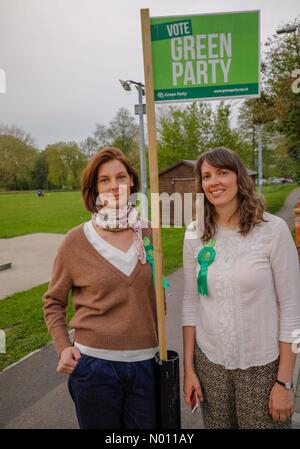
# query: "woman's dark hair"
90, 175
251, 205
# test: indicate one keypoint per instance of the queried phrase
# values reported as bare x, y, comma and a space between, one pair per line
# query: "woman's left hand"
281, 403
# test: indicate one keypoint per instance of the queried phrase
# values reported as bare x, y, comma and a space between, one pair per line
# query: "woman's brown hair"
251, 205
90, 175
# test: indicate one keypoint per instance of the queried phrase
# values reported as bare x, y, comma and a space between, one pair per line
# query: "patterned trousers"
237, 399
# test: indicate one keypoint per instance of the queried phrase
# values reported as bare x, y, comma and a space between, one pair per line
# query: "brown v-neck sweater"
111, 310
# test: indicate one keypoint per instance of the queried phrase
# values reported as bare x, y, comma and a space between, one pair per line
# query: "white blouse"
254, 294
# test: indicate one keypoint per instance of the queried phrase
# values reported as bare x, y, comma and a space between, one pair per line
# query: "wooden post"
154, 185
297, 226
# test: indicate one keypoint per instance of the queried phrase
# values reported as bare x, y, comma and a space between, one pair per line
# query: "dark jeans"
114, 395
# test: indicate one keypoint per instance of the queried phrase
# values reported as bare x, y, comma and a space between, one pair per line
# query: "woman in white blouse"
241, 306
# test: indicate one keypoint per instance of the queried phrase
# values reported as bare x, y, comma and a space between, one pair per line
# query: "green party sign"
211, 56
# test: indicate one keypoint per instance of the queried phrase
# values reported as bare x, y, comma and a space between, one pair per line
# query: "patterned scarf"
112, 219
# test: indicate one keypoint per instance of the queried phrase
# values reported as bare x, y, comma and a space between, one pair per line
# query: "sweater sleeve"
55, 302
191, 298
285, 268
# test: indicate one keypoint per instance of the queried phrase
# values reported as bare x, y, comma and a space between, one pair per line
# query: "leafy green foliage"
278, 109
65, 163
17, 160
186, 132
26, 213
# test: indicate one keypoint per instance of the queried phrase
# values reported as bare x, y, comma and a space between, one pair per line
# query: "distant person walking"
40, 192
241, 302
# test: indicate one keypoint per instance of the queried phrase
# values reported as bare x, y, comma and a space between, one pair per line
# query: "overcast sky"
63, 58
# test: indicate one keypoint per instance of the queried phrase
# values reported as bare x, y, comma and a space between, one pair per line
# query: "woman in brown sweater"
103, 263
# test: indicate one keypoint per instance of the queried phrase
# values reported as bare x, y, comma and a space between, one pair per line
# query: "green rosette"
150, 259
205, 257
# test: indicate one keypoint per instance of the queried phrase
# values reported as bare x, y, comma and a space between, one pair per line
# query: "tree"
171, 140
19, 133
65, 163
57, 171
224, 134
40, 172
101, 136
278, 109
17, 161
183, 132
89, 147
122, 132
257, 114
247, 126
75, 161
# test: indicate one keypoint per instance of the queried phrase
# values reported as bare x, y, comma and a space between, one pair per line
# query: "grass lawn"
21, 315
26, 213
57, 212
172, 241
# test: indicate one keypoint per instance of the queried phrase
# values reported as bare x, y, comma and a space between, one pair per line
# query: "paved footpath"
287, 211
31, 257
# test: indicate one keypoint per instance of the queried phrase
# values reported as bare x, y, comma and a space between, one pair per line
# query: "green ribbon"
205, 257
150, 259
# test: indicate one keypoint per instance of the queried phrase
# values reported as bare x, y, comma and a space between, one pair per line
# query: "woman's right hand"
191, 382
68, 360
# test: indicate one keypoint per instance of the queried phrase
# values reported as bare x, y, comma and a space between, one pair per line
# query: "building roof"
191, 163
